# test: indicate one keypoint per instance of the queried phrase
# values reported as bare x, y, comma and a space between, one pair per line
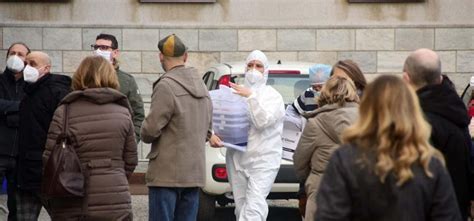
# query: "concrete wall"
274, 13
377, 36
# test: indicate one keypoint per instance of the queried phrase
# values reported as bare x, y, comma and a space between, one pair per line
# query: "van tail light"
225, 80
219, 173
471, 108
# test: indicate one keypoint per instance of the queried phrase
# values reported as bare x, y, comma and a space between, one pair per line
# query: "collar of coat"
328, 108
98, 96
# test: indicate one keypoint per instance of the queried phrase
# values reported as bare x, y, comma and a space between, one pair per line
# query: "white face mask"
254, 79
105, 54
30, 74
15, 64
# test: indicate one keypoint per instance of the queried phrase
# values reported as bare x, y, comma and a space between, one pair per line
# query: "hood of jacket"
189, 79
98, 96
442, 100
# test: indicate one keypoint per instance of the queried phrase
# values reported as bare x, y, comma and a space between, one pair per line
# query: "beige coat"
177, 127
320, 138
101, 127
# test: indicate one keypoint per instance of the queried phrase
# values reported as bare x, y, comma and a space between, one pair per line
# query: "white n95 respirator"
15, 64
30, 74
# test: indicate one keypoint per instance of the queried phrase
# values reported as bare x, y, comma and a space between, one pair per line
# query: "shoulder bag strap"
66, 120
64, 136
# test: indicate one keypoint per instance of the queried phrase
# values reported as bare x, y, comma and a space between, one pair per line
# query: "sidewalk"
139, 204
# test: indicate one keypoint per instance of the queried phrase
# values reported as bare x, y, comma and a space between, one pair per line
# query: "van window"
208, 79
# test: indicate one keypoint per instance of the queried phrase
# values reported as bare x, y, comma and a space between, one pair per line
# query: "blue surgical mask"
316, 93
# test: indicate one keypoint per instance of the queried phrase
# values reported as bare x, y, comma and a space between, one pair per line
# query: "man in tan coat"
177, 127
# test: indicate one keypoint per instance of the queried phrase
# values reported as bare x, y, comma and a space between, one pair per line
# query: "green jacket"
128, 87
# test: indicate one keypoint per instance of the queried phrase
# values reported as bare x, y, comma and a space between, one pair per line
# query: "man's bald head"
423, 67
40, 57
40, 61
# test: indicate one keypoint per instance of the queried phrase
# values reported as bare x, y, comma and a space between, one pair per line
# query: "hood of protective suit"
257, 55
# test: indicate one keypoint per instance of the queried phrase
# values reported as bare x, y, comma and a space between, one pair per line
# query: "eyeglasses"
101, 47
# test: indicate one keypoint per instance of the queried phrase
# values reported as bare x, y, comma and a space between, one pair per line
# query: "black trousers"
8, 171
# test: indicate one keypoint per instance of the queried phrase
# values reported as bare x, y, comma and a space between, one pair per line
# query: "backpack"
62, 174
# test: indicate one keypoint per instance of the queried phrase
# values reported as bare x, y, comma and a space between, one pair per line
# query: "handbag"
63, 175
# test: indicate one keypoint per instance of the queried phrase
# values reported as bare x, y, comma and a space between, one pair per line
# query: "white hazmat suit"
253, 172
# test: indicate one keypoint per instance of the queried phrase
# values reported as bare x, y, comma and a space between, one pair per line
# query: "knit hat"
172, 46
319, 74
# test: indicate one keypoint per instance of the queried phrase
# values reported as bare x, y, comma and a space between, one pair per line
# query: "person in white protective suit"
252, 173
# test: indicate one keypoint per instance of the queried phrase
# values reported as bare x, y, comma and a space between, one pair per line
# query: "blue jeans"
173, 203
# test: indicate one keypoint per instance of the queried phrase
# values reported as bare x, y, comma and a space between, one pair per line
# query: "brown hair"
18, 43
94, 72
353, 71
338, 90
392, 126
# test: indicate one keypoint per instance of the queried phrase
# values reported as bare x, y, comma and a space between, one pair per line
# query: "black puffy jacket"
447, 115
36, 112
11, 93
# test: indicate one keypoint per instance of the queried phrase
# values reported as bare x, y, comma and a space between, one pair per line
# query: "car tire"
207, 207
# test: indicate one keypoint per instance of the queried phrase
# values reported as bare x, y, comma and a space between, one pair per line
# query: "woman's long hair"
94, 72
338, 90
391, 125
352, 70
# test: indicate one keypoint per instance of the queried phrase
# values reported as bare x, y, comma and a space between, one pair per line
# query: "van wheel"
207, 207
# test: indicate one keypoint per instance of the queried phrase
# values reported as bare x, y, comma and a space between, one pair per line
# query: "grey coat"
177, 128
320, 138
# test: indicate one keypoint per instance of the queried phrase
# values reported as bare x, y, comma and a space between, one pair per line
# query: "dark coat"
448, 117
103, 135
36, 111
11, 93
350, 190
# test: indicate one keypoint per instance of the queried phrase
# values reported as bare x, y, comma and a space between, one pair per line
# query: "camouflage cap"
172, 46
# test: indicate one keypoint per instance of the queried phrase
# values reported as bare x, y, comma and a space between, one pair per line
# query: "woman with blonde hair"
102, 134
387, 170
338, 104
